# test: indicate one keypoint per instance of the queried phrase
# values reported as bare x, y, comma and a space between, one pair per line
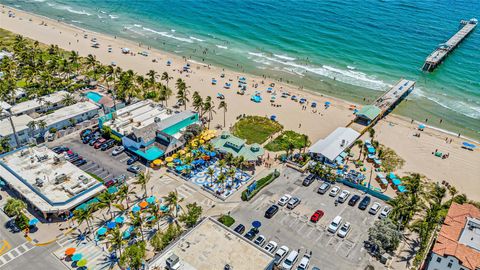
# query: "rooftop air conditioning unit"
343, 143
39, 182
60, 178
157, 119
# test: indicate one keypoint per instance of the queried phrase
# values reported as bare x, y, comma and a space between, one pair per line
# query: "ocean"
349, 49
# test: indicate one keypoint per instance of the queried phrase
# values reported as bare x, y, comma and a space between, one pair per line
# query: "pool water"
178, 126
94, 96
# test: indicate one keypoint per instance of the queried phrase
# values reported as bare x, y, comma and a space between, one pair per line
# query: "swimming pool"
94, 96
178, 126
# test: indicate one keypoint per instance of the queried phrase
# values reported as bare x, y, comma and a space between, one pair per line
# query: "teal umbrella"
77, 257
151, 199
102, 231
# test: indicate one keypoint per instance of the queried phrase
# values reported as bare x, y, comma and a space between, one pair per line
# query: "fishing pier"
437, 56
368, 115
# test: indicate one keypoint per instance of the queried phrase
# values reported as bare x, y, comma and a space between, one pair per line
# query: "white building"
328, 149
44, 104
46, 181
20, 124
211, 245
457, 246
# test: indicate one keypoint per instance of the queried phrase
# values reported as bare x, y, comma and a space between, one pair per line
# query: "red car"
316, 216
99, 143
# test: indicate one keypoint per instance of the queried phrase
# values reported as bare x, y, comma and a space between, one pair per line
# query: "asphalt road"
294, 229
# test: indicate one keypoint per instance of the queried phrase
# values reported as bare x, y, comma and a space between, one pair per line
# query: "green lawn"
256, 129
226, 220
281, 142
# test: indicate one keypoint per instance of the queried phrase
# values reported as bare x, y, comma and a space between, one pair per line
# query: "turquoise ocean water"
349, 49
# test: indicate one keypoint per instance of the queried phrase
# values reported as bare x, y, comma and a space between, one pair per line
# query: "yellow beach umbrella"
194, 144
181, 152
157, 162
188, 155
169, 159
175, 155
202, 141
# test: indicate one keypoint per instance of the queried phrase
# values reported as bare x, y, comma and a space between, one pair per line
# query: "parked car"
118, 150
99, 143
305, 261
333, 227
316, 216
133, 169
132, 160
51, 137
75, 158
344, 230
293, 202
60, 149
290, 260
240, 229
85, 132
280, 254
308, 180
270, 247
251, 233
343, 196
284, 199
93, 140
260, 240
334, 191
385, 212
110, 183
364, 203
271, 211
355, 198
375, 208
323, 188
80, 162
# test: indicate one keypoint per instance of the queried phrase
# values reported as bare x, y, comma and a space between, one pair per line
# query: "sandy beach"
461, 169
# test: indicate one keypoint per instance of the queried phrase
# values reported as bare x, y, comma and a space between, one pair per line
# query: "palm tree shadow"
411, 250
80, 237
108, 262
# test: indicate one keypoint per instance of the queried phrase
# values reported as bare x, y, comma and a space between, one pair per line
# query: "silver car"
293, 202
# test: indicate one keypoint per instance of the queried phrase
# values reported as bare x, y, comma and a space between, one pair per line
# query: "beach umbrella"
77, 257
157, 162
111, 225
201, 141
469, 145
169, 159
120, 219
212, 154
256, 224
181, 152
70, 251
143, 204
112, 190
151, 199
102, 231
170, 164
33, 222
136, 208
82, 262
126, 234
150, 218
327, 103
421, 126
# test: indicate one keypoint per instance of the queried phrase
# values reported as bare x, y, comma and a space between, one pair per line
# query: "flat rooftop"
211, 245
20, 122
396, 92
35, 103
46, 179
66, 113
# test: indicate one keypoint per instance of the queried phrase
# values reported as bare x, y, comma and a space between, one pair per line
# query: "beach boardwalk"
96, 257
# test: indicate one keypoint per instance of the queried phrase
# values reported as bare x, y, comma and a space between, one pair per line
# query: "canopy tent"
401, 189
396, 182
33, 222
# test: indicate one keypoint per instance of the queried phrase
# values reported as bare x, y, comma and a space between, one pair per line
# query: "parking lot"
100, 163
294, 229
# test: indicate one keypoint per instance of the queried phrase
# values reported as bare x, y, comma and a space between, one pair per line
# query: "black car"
251, 234
80, 162
308, 180
240, 229
60, 149
354, 200
107, 145
364, 203
271, 211
132, 160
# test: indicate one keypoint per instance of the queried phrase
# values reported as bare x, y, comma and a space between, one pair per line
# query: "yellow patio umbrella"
194, 144
181, 152
169, 159
175, 155
202, 141
188, 155
157, 162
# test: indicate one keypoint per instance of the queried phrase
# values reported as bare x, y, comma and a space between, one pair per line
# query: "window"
449, 265
439, 259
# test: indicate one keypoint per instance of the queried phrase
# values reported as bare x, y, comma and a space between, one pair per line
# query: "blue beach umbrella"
120, 219
327, 103
111, 225
102, 231
256, 224
126, 234
150, 199
469, 145
33, 222
421, 126
136, 208
77, 257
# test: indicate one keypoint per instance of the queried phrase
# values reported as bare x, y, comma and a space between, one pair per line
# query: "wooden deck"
437, 56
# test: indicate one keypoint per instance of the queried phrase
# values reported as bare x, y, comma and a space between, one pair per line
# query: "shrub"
22, 221
226, 220
52, 130
260, 184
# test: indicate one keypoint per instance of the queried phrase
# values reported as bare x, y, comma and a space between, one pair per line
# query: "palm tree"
211, 172
115, 237
182, 94
123, 194
231, 174
41, 124
360, 145
32, 125
221, 165
152, 76
91, 62
172, 201
6, 142
68, 99
208, 107
106, 200
221, 179
197, 102
142, 179
165, 77
73, 60
223, 105
84, 215
137, 222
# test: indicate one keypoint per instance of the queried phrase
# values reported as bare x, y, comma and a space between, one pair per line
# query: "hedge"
226, 220
263, 182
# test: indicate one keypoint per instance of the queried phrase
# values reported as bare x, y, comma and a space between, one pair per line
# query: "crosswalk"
94, 254
184, 191
15, 253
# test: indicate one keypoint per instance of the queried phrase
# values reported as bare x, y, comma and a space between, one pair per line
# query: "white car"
305, 261
280, 254
270, 247
385, 211
343, 196
284, 199
118, 150
344, 230
290, 260
260, 240
333, 227
334, 191
374, 209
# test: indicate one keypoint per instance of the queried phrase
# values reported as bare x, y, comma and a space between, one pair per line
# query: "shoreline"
394, 131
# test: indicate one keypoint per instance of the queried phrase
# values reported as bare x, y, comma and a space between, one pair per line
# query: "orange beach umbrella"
70, 251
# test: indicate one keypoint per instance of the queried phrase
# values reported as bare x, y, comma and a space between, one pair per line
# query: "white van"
333, 227
290, 260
